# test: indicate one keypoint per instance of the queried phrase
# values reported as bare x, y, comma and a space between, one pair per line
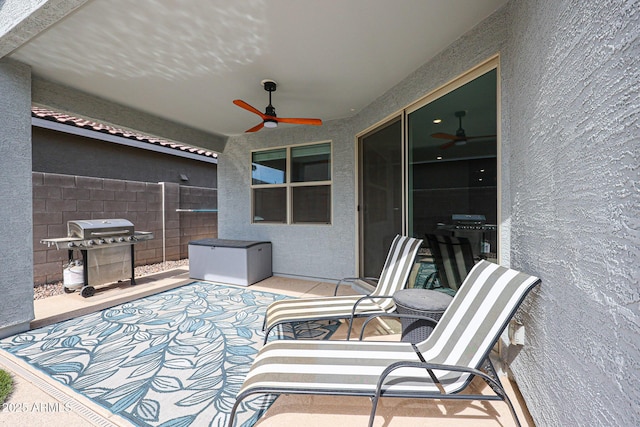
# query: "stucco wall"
318, 251
16, 273
569, 199
573, 105
330, 251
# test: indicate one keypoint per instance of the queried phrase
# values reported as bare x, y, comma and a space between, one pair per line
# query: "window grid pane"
304, 196
311, 204
311, 163
270, 205
269, 167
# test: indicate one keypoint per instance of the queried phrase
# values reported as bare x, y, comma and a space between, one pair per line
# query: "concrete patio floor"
37, 400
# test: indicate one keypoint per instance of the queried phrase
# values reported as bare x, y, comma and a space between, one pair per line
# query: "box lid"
226, 243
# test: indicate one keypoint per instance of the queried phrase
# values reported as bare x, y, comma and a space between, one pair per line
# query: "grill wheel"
88, 291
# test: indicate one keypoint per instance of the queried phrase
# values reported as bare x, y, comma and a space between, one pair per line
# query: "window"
292, 185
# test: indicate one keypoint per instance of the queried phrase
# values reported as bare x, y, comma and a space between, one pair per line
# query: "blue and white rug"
173, 359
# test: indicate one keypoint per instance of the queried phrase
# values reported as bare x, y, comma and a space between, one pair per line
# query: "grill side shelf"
60, 241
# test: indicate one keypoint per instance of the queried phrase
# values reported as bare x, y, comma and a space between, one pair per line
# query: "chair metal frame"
490, 295
395, 275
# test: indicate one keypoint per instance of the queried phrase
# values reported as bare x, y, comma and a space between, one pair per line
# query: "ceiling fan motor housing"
270, 111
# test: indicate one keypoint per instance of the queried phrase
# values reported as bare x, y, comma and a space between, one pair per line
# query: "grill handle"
109, 233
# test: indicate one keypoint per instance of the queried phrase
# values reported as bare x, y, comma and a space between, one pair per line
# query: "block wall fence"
155, 207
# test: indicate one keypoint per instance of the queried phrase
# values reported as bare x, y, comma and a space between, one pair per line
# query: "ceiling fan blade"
256, 128
447, 145
240, 103
458, 139
269, 118
443, 135
483, 136
313, 122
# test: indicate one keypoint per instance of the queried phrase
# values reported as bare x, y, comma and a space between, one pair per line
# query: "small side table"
420, 302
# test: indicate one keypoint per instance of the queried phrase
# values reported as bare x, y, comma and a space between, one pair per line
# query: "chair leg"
489, 369
350, 327
374, 407
232, 415
498, 388
266, 335
512, 409
377, 395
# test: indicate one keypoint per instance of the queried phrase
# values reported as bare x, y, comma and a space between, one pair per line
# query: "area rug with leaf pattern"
177, 358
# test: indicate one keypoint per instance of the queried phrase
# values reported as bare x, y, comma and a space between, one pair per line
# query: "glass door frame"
455, 83
387, 121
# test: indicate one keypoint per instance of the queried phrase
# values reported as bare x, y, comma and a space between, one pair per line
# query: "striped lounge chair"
394, 276
440, 367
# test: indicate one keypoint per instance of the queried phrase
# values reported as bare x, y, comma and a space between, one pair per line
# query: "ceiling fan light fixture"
270, 124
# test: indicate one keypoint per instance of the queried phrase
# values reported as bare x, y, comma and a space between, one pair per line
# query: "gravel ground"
51, 289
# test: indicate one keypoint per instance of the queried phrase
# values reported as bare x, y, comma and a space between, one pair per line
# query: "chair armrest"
367, 297
431, 367
358, 284
355, 308
431, 320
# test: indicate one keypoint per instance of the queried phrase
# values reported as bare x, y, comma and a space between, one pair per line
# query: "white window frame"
290, 185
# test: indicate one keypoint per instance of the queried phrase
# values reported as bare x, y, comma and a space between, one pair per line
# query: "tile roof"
66, 119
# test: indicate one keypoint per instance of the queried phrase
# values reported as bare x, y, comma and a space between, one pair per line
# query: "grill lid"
86, 229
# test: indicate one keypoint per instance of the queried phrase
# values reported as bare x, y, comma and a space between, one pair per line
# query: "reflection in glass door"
380, 204
433, 171
452, 151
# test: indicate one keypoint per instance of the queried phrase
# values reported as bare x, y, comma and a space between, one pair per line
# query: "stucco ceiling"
188, 60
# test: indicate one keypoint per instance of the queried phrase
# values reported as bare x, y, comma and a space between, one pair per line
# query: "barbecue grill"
106, 247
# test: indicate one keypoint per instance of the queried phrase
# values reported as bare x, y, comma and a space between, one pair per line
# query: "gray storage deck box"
237, 262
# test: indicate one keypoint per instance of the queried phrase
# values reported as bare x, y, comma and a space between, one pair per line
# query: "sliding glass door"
380, 205
452, 165
435, 171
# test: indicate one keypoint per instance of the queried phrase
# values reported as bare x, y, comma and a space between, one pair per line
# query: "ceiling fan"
460, 138
269, 118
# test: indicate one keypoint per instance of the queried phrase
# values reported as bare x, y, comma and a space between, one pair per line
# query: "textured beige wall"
16, 258
572, 96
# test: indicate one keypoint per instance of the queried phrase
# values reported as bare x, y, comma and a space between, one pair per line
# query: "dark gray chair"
453, 258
